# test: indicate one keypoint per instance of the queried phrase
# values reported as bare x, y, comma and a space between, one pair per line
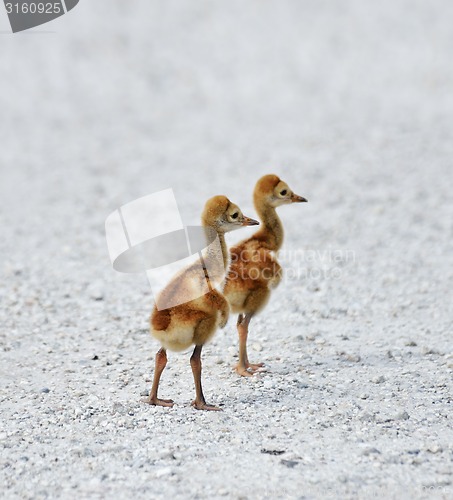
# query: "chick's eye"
283, 193
235, 215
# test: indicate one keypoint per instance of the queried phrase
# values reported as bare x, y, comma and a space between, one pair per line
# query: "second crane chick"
254, 269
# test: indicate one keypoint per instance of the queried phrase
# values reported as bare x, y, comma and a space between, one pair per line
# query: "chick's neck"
216, 257
271, 232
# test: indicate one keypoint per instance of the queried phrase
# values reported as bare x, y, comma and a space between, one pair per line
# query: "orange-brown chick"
194, 322
254, 269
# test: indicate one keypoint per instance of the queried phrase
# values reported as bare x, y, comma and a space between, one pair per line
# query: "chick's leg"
251, 366
195, 362
244, 367
241, 367
161, 362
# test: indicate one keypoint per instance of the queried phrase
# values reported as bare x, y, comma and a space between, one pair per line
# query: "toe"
200, 405
243, 372
255, 365
159, 402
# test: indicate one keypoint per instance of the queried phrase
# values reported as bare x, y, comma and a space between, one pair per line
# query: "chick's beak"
249, 222
295, 198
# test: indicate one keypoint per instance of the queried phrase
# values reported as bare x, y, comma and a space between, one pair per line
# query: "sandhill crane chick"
254, 269
195, 321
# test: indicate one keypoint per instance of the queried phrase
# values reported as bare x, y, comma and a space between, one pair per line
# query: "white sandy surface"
352, 104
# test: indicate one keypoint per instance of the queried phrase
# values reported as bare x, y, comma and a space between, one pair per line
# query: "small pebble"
164, 471
269, 384
370, 451
434, 448
289, 463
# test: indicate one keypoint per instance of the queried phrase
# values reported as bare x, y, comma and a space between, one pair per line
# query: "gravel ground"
352, 104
